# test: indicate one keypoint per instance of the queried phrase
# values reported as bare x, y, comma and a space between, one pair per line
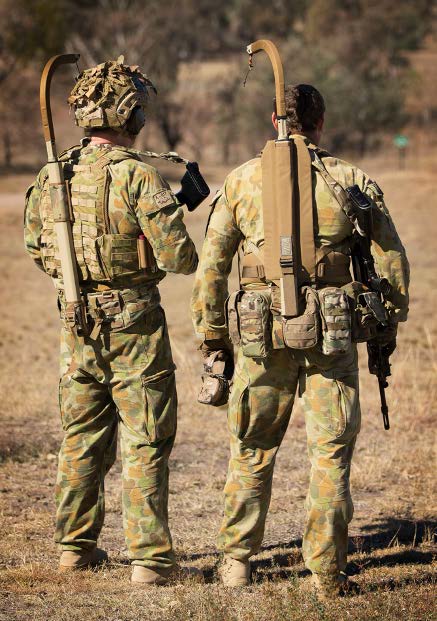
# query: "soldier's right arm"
211, 284
32, 221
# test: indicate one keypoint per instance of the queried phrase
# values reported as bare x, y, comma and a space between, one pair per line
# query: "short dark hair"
304, 107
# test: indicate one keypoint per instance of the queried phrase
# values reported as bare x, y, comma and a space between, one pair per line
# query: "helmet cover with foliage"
111, 95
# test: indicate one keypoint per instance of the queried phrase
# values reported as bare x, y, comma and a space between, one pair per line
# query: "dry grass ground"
393, 473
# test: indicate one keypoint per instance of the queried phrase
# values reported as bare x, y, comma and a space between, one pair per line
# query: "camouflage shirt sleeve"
32, 221
161, 220
389, 254
211, 284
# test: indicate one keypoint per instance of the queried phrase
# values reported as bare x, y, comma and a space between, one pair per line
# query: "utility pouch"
363, 320
335, 317
303, 332
255, 324
232, 308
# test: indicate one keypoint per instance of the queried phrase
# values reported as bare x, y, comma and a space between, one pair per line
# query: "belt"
116, 306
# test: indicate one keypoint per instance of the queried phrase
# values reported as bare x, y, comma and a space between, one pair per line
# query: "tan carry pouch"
335, 316
303, 332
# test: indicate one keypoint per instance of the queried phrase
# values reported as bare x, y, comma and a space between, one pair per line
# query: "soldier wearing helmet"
128, 233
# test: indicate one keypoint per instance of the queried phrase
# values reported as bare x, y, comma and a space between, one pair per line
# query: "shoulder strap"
336, 189
306, 212
170, 156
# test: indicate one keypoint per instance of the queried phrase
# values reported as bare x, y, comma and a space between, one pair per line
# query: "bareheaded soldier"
122, 373
276, 356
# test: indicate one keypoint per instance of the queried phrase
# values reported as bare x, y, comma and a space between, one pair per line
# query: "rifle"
364, 271
75, 311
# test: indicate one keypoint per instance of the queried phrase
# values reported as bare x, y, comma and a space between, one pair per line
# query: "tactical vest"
317, 267
102, 256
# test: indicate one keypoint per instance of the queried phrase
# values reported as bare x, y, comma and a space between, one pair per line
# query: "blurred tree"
355, 52
29, 31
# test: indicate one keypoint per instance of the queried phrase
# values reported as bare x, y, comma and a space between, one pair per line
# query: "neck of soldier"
313, 136
113, 138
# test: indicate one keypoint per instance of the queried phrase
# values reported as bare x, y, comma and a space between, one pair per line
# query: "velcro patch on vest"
164, 198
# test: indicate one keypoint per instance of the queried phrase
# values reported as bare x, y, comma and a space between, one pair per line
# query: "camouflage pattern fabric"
263, 392
120, 380
123, 377
139, 201
237, 215
259, 412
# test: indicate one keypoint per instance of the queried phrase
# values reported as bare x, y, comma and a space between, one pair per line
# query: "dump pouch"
215, 385
303, 332
335, 316
255, 324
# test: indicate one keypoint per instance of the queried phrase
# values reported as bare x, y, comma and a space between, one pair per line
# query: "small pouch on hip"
335, 316
303, 332
255, 324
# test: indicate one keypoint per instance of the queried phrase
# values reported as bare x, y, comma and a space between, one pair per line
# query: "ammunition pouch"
250, 322
215, 385
335, 316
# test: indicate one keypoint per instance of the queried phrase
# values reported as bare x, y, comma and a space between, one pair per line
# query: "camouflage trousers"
259, 412
121, 380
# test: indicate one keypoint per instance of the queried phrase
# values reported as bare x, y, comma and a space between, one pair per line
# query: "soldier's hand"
224, 353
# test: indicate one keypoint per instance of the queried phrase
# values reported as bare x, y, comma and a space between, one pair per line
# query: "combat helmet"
111, 95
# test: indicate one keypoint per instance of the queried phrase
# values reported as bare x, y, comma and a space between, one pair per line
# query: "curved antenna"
272, 52
44, 93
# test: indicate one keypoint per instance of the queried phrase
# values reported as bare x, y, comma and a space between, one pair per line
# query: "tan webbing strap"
278, 196
306, 214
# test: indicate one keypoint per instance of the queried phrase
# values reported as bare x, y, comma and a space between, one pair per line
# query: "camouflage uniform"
264, 389
123, 372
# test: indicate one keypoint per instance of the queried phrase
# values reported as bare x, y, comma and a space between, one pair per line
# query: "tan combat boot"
234, 573
147, 576
330, 587
72, 560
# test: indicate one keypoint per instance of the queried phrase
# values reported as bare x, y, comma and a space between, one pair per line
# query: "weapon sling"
75, 306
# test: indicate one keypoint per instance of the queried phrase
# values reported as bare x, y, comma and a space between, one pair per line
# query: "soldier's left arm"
389, 253
161, 219
33, 223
